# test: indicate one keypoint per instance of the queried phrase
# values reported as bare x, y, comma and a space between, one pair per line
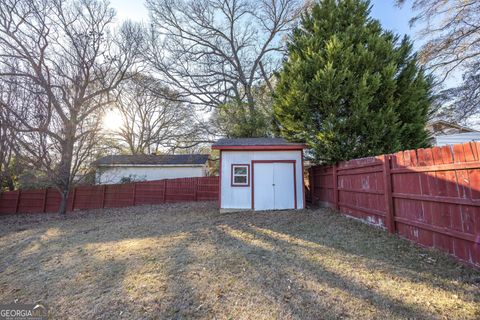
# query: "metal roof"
148, 159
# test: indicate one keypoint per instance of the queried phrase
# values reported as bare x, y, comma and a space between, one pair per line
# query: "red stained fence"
430, 196
112, 195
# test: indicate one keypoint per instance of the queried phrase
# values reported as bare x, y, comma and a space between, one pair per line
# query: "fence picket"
17, 205
134, 193
72, 206
44, 205
335, 186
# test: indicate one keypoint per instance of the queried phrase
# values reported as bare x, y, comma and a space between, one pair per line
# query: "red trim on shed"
294, 162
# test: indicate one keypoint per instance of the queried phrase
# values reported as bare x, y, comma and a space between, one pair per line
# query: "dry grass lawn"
189, 261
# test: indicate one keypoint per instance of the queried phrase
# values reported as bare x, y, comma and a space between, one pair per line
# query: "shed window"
240, 175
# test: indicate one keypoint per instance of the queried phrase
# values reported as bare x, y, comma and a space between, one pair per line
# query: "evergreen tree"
348, 88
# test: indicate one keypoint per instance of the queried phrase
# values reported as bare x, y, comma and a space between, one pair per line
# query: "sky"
391, 17
127, 9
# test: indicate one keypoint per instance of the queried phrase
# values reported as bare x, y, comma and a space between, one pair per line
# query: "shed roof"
148, 159
257, 144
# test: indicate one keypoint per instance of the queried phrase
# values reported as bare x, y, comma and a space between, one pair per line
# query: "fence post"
164, 191
72, 207
387, 182
17, 205
195, 190
103, 195
134, 193
44, 205
311, 177
335, 187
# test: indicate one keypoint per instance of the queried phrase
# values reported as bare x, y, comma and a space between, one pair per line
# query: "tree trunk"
10, 184
63, 203
251, 102
65, 174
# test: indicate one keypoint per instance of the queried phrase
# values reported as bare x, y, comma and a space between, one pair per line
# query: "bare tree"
214, 52
67, 63
6, 155
7, 136
452, 33
150, 121
462, 103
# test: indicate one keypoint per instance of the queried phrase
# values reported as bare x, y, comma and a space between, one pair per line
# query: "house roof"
435, 127
256, 144
148, 159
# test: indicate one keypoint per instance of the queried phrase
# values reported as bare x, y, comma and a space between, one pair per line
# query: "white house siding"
447, 139
241, 197
111, 175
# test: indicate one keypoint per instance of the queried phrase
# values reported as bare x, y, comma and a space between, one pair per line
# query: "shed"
147, 167
261, 174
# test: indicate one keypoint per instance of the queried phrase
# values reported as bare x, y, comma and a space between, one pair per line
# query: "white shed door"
274, 186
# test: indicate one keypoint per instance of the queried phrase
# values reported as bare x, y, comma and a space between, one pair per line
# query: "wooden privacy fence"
112, 195
430, 196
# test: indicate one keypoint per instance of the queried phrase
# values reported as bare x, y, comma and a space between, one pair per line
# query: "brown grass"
189, 261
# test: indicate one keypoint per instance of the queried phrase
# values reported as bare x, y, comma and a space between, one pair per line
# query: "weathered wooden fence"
430, 196
112, 195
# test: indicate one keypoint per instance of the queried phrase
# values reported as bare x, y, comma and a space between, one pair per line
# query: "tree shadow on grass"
199, 266
376, 247
283, 287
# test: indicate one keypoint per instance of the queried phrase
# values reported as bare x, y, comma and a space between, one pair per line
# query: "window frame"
232, 175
